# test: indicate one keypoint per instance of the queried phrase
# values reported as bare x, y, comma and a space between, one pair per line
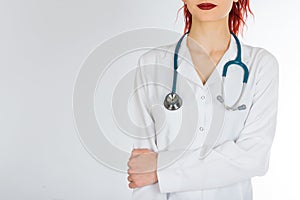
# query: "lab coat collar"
187, 70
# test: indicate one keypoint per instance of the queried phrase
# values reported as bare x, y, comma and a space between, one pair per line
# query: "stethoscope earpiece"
220, 98
242, 107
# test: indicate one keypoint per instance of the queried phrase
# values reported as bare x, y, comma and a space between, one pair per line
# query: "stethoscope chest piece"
172, 101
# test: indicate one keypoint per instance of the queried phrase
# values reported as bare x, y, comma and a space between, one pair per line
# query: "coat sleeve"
141, 113
232, 161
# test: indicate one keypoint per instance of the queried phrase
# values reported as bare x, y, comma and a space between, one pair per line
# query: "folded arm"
231, 161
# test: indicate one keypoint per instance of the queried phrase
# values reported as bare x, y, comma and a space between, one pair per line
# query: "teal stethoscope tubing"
237, 61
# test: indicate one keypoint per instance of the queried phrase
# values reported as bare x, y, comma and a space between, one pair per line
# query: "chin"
208, 18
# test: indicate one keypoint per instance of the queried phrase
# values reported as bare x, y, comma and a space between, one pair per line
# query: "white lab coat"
239, 151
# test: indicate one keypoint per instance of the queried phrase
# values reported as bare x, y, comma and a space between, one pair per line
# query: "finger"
135, 152
129, 163
129, 178
132, 185
130, 171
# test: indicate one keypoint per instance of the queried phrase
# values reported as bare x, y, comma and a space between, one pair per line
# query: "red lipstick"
206, 6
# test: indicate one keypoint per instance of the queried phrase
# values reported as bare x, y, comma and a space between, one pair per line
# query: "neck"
212, 36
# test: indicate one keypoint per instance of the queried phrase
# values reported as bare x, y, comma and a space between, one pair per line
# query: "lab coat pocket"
234, 121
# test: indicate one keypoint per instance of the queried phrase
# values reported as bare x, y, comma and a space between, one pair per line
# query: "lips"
206, 6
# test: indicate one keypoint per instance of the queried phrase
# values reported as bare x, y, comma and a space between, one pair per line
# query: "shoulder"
157, 54
154, 62
261, 61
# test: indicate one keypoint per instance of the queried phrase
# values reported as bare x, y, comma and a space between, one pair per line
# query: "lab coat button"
203, 97
201, 129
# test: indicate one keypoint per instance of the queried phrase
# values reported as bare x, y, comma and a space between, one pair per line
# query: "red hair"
237, 16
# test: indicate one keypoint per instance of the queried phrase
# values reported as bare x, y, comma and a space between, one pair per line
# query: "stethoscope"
173, 101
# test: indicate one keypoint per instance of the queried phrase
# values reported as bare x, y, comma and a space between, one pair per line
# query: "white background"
42, 45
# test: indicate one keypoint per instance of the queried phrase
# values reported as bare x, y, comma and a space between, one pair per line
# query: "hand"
142, 168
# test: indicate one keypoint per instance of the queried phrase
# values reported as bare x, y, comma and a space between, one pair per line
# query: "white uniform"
239, 151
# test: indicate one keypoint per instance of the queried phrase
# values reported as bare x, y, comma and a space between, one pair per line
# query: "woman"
242, 150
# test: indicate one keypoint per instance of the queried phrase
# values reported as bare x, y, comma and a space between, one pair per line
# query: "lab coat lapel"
214, 84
